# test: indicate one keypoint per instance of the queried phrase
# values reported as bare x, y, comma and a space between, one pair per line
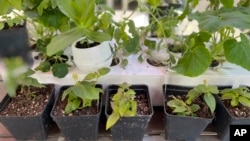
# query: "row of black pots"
76, 127
127, 128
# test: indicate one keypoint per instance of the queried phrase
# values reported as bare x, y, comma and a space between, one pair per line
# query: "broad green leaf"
79, 91
194, 63
43, 66
114, 107
90, 76
150, 44
213, 89
247, 95
17, 4
103, 71
210, 101
244, 101
123, 108
87, 13
133, 105
192, 94
29, 72
66, 7
117, 96
132, 44
29, 81
63, 40
97, 36
212, 21
227, 3
60, 70
92, 92
66, 92
238, 52
179, 109
112, 119
124, 63
228, 95
4, 7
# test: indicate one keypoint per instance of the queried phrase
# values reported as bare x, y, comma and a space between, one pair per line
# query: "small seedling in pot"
237, 96
83, 92
123, 104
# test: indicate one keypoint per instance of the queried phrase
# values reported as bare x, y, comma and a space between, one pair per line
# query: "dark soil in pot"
203, 112
31, 101
86, 44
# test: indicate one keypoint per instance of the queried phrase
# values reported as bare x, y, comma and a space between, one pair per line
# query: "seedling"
206, 92
123, 104
83, 92
180, 107
237, 96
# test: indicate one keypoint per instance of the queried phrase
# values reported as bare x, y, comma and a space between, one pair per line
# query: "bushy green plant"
237, 96
122, 104
82, 93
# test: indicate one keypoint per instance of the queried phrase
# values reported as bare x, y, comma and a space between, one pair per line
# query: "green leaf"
43, 66
179, 109
210, 101
97, 36
227, 3
194, 107
213, 89
17, 4
112, 119
66, 6
244, 101
60, 70
131, 44
238, 52
90, 76
43, 5
124, 63
63, 40
192, 94
4, 7
66, 92
123, 108
234, 102
194, 62
228, 95
103, 71
150, 44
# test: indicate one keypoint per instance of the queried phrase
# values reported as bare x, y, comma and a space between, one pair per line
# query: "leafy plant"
88, 22
206, 92
83, 92
180, 107
236, 96
123, 104
218, 23
17, 74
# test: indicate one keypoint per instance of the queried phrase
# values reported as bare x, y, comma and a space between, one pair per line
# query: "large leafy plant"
236, 96
83, 93
123, 104
89, 22
216, 39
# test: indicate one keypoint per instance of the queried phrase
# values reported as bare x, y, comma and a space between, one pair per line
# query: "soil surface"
238, 111
203, 112
86, 45
59, 110
30, 102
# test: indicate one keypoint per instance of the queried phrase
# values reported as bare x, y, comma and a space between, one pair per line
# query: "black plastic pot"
14, 43
29, 127
224, 119
129, 128
76, 128
182, 127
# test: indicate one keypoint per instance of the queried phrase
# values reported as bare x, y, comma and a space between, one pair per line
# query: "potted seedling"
25, 110
77, 108
233, 105
188, 108
128, 111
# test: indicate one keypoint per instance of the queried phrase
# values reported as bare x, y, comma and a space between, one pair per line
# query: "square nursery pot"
29, 127
182, 127
223, 120
129, 128
82, 127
